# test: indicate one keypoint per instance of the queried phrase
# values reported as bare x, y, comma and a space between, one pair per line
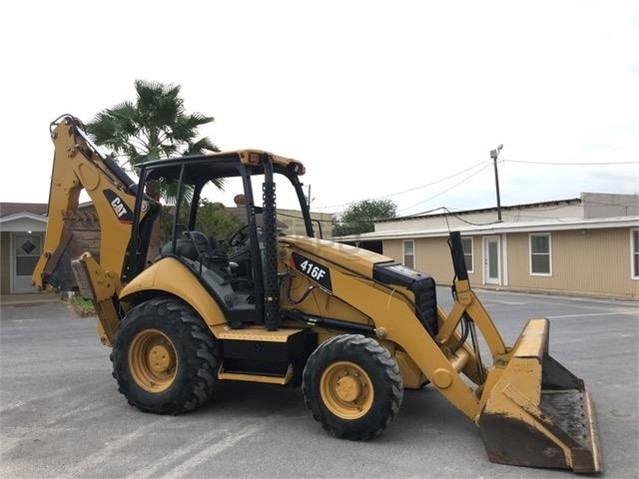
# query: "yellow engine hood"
355, 259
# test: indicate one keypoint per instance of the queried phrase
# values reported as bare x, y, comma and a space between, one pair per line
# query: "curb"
83, 313
29, 302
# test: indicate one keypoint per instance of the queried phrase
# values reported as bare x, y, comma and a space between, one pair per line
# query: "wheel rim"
152, 360
346, 390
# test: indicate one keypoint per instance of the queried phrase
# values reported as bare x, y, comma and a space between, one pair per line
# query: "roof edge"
481, 210
23, 215
498, 228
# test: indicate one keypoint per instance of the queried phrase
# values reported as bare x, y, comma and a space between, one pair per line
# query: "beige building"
292, 221
582, 246
295, 223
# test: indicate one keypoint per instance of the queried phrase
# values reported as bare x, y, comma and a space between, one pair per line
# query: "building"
22, 227
322, 222
582, 246
292, 222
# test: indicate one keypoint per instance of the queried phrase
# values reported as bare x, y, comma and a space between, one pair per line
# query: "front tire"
352, 386
164, 357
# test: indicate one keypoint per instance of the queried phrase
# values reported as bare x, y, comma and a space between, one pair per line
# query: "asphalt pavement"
61, 415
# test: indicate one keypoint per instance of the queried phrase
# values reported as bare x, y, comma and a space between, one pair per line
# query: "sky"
400, 100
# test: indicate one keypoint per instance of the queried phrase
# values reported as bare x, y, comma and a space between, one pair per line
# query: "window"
467, 247
540, 254
634, 253
409, 254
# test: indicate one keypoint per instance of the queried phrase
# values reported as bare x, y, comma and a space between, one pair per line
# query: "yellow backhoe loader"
351, 327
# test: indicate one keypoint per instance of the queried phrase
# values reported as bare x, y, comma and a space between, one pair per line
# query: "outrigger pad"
538, 413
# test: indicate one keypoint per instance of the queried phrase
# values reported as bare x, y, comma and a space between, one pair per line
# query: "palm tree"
156, 126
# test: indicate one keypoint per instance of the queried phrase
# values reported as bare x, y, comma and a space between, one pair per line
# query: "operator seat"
197, 248
236, 293
183, 247
207, 254
214, 269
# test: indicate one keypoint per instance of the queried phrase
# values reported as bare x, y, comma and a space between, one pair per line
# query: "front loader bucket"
536, 412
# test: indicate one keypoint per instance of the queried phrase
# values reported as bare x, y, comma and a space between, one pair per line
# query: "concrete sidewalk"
25, 299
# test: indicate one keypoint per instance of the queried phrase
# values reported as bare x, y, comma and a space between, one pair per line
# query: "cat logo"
119, 207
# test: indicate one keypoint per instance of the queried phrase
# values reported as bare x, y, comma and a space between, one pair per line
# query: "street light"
494, 154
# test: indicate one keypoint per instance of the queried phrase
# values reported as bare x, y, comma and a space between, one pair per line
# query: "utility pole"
494, 154
309, 197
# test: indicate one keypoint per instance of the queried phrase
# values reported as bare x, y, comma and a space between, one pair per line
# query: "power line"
436, 181
501, 160
489, 163
447, 212
451, 213
414, 188
555, 163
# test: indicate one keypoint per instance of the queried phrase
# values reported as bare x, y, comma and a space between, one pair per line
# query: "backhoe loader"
351, 327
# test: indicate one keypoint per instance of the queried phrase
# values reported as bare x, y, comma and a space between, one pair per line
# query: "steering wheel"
240, 237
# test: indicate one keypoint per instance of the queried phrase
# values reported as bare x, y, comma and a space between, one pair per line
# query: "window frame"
530, 255
471, 253
634, 251
412, 254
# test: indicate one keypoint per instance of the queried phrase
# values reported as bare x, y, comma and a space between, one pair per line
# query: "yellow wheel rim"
346, 390
152, 360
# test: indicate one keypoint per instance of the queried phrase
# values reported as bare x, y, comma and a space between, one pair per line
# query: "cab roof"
220, 165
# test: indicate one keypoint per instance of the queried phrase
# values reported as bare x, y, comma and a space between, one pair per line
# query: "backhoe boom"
71, 229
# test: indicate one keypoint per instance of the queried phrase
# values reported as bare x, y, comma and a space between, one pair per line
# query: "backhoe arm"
71, 231
86, 248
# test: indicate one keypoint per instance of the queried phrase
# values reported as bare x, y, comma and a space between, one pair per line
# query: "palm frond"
155, 126
203, 145
186, 126
169, 191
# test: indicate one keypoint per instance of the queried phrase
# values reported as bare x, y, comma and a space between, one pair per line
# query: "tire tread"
381, 358
196, 388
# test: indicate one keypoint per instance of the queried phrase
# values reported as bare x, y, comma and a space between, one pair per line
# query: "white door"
26, 250
491, 260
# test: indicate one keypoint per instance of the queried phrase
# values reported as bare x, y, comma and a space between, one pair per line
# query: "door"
491, 260
26, 249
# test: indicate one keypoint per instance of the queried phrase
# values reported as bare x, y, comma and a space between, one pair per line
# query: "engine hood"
355, 259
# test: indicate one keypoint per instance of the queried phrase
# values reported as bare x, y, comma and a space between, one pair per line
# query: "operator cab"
228, 244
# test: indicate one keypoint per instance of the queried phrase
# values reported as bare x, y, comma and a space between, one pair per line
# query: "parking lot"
61, 415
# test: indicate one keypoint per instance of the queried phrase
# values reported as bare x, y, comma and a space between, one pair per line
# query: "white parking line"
507, 303
107, 453
581, 315
40, 397
185, 469
176, 455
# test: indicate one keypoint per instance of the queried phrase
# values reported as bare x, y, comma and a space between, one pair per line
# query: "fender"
170, 276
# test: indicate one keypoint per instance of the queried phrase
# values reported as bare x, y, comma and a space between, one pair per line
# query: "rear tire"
164, 357
352, 386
